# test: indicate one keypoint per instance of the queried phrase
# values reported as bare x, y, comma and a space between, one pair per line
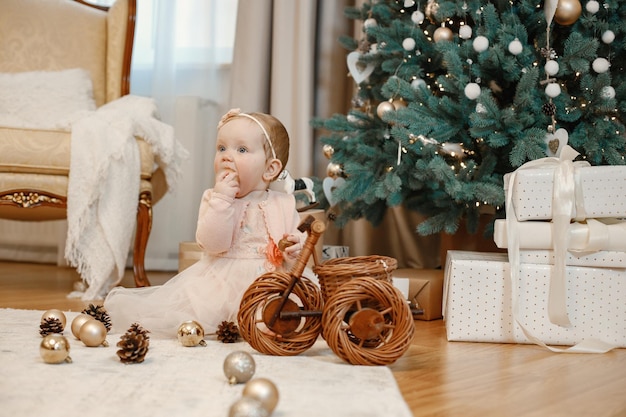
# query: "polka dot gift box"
478, 302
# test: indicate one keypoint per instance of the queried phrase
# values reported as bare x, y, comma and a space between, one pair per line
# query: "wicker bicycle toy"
361, 315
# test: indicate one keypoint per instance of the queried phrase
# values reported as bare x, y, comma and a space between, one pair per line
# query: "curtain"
181, 57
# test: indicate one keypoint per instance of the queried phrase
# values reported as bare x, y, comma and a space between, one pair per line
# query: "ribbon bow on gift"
567, 204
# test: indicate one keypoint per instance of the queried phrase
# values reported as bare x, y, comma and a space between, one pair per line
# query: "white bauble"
408, 44
409, 3
480, 44
600, 65
417, 83
515, 47
417, 17
472, 91
465, 32
551, 67
592, 6
608, 92
608, 37
370, 22
553, 90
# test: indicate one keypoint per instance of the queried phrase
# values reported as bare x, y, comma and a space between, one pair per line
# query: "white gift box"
596, 242
600, 192
599, 259
478, 304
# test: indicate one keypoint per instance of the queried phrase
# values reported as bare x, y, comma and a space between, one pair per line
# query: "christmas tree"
452, 95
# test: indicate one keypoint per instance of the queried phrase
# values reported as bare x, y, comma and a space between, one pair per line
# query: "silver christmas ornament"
239, 367
247, 407
262, 390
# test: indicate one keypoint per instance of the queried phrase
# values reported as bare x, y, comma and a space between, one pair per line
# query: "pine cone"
227, 332
133, 344
549, 109
99, 313
50, 325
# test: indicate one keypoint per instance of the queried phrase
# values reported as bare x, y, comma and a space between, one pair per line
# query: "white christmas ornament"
417, 17
409, 3
592, 6
359, 73
556, 141
480, 44
551, 67
417, 83
608, 92
553, 90
465, 32
370, 22
472, 91
608, 37
515, 47
480, 108
600, 65
408, 44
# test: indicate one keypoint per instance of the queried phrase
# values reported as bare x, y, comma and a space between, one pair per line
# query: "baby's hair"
277, 140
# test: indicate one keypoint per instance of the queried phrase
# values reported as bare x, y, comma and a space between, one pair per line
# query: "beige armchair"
53, 35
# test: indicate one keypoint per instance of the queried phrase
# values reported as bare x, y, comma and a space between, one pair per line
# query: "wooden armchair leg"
144, 226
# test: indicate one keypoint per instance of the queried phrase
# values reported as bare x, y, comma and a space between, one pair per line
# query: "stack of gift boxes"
563, 280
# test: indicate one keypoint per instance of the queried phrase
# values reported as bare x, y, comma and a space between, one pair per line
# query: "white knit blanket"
178, 381
103, 186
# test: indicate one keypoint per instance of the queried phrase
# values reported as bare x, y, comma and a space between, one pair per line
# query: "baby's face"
240, 149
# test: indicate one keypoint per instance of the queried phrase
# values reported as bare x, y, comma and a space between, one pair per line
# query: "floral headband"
232, 113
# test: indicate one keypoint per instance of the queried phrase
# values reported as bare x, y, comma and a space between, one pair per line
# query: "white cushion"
45, 99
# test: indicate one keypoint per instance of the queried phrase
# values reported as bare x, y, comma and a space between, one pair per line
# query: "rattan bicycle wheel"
337, 271
285, 337
368, 322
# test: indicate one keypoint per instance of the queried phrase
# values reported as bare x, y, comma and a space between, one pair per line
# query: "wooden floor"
436, 377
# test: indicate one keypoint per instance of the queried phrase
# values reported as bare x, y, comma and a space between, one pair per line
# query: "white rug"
176, 380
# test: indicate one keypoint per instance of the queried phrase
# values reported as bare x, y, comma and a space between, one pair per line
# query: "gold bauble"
443, 34
262, 390
334, 170
54, 314
328, 151
239, 367
567, 12
78, 322
191, 333
93, 333
384, 108
247, 407
55, 348
398, 103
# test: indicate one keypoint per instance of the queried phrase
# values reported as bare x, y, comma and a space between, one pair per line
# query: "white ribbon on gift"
590, 236
564, 208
